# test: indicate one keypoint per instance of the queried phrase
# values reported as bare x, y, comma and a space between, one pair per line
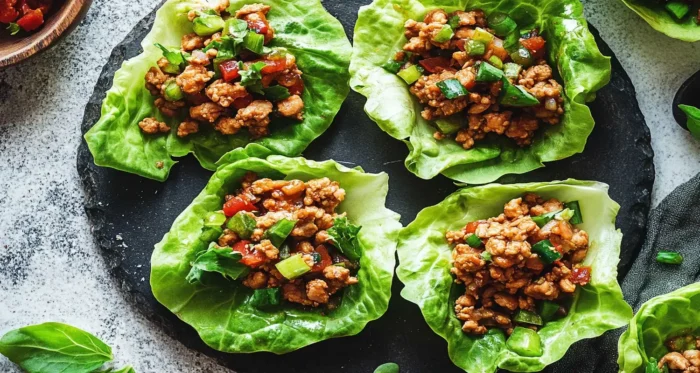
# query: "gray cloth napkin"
675, 226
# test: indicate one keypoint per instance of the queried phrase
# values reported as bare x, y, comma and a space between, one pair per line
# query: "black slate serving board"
130, 214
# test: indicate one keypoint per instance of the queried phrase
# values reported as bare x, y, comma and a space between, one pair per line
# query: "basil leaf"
220, 260
387, 368
54, 347
344, 237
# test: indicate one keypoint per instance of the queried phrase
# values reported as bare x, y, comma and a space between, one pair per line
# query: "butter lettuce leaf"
668, 315
304, 27
220, 309
425, 261
572, 50
661, 20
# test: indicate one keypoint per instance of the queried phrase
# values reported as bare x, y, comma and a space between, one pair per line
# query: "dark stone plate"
130, 214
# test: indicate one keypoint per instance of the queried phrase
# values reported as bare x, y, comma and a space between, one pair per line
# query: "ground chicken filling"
520, 267
225, 76
684, 356
472, 82
321, 270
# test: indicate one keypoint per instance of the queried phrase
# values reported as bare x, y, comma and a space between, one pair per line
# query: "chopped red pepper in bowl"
23, 15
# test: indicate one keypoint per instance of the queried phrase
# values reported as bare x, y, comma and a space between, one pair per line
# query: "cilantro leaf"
13, 27
344, 237
217, 259
251, 77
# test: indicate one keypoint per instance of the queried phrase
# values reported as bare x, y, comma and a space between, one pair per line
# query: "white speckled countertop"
50, 268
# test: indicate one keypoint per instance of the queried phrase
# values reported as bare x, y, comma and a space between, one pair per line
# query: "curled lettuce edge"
304, 27
580, 65
218, 310
658, 319
425, 261
660, 20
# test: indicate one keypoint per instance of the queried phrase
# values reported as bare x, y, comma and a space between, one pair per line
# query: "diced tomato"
435, 64
251, 257
8, 13
581, 275
236, 204
535, 45
325, 259
31, 20
242, 102
274, 66
259, 26
229, 70
471, 227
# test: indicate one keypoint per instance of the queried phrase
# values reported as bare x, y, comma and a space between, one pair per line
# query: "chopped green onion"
565, 214
207, 24
486, 256
215, 219
210, 234
546, 252
444, 35
276, 92
340, 264
501, 24
574, 206
242, 224
474, 48
410, 74
669, 257
13, 28
543, 219
678, 9
488, 73
278, 232
452, 88
454, 22
517, 96
522, 56
393, 66
482, 35
525, 342
512, 70
497, 62
292, 267
254, 42
547, 310
474, 241
235, 27
527, 317
265, 297
451, 124
173, 92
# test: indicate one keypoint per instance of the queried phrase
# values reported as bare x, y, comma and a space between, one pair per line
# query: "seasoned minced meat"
194, 78
225, 93
684, 356
291, 107
206, 112
503, 274
187, 128
256, 117
191, 42
152, 126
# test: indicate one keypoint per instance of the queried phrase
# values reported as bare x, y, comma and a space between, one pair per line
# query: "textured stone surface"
50, 267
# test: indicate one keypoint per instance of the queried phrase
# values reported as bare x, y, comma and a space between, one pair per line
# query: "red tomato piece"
242, 102
259, 26
581, 275
251, 257
325, 259
435, 64
236, 204
229, 70
471, 227
7, 11
32, 20
274, 66
535, 45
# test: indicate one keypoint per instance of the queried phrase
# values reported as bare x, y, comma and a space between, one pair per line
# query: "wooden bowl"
60, 21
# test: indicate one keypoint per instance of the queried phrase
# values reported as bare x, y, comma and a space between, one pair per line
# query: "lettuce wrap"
425, 261
661, 20
219, 309
668, 315
580, 66
311, 34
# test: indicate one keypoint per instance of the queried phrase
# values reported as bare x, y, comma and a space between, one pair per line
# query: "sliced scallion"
516, 96
527, 317
574, 206
215, 219
254, 42
669, 257
292, 267
474, 241
501, 23
488, 73
474, 47
410, 74
678, 9
392, 66
525, 342
547, 310
279, 231
482, 35
444, 35
206, 24
451, 124
242, 224
546, 252
512, 70
452, 89
522, 56
496, 62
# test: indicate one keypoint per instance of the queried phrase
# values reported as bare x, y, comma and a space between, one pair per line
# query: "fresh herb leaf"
452, 89
393, 66
454, 22
220, 260
693, 122
176, 60
344, 237
13, 27
61, 347
265, 297
387, 368
276, 93
251, 77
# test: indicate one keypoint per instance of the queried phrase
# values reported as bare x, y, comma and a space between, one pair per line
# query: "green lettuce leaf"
304, 27
425, 261
668, 315
693, 122
220, 310
572, 49
218, 260
54, 347
661, 20
344, 237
